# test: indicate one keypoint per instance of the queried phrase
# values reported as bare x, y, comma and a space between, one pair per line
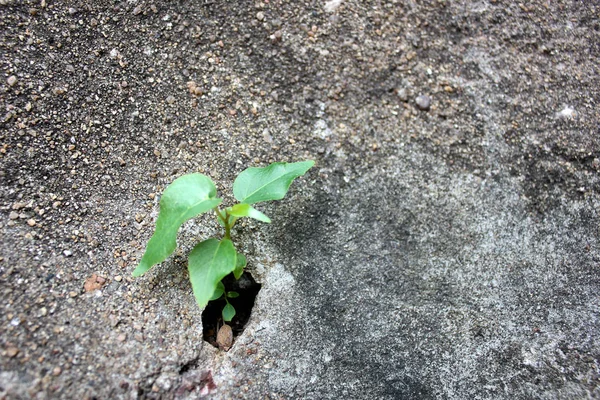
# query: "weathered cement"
445, 247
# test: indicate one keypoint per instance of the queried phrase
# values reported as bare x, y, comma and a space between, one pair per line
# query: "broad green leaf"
240, 264
246, 210
233, 295
228, 312
268, 183
219, 290
209, 262
182, 200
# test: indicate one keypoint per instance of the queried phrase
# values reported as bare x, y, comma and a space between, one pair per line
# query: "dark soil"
212, 320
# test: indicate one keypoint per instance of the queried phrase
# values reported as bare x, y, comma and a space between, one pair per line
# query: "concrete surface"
445, 245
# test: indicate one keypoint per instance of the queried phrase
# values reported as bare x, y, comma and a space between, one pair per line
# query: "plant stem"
227, 229
218, 212
226, 222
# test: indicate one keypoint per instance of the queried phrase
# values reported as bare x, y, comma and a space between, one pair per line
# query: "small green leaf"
228, 312
183, 199
240, 264
219, 290
233, 295
209, 262
269, 183
246, 210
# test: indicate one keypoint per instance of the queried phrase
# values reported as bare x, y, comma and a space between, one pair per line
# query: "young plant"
212, 259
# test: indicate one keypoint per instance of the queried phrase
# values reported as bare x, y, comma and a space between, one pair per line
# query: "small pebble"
225, 337
13, 215
118, 278
403, 94
191, 85
170, 99
11, 80
31, 222
68, 253
56, 371
260, 16
276, 37
18, 206
137, 10
93, 282
114, 320
567, 112
12, 352
423, 102
122, 337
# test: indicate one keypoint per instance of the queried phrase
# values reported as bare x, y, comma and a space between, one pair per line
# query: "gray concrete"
436, 285
443, 248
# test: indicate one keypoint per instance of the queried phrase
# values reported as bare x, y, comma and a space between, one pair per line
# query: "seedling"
213, 259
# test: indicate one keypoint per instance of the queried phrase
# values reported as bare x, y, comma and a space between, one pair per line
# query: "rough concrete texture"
444, 246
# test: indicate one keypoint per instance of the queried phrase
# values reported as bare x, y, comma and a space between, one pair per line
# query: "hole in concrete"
212, 320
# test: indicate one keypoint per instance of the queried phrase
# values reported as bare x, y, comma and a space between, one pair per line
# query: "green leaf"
233, 295
246, 210
240, 264
268, 183
209, 262
219, 290
182, 200
228, 312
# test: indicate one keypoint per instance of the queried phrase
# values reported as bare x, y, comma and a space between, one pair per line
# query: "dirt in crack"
212, 320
